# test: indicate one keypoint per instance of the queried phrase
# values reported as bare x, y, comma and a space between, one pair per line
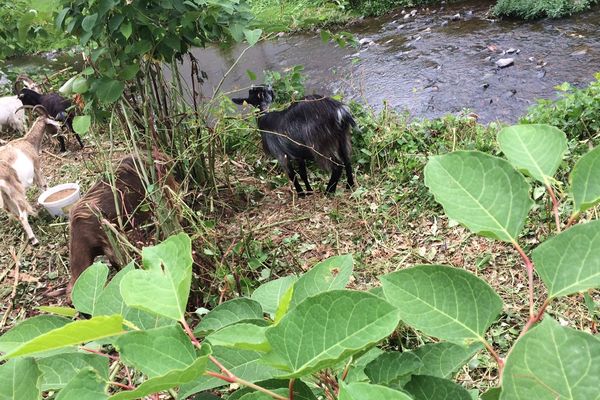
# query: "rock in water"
505, 62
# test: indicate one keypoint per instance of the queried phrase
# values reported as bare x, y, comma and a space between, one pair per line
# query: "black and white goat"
314, 128
56, 105
11, 116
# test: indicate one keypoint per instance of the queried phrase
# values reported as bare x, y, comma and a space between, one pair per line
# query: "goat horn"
44, 112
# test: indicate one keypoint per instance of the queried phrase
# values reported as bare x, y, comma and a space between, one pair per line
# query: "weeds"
529, 9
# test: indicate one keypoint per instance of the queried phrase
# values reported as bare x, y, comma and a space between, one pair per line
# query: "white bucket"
60, 208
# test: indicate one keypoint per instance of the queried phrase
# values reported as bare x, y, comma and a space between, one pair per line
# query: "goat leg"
336, 173
61, 140
287, 166
23, 219
38, 178
79, 140
349, 177
304, 175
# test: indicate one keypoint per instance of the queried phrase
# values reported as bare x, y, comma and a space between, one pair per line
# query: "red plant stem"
114, 358
128, 375
235, 379
499, 360
529, 267
554, 207
228, 377
537, 317
291, 388
126, 387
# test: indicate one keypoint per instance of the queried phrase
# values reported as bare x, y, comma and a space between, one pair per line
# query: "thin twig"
235, 379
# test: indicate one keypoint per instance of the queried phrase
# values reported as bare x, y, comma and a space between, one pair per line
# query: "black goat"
56, 105
314, 128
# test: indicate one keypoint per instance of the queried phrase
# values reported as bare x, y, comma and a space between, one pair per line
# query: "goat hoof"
34, 242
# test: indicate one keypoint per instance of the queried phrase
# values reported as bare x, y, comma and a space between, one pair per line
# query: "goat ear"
238, 100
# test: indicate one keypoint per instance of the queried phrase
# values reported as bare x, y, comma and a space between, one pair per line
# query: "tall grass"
529, 9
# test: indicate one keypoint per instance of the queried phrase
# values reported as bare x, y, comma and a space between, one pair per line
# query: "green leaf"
264, 396
484, 193
111, 302
552, 362
245, 364
28, 330
325, 35
228, 313
269, 294
81, 125
445, 302
330, 274
327, 328
60, 18
443, 359
108, 90
67, 88
89, 22
423, 387
59, 310
241, 336
570, 262
80, 85
60, 369
356, 371
367, 391
155, 352
301, 390
71, 334
20, 380
251, 75
164, 286
585, 181
126, 29
252, 35
536, 149
87, 384
170, 380
90, 283
284, 304
389, 367
492, 394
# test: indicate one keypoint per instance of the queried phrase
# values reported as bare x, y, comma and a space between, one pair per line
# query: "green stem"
235, 379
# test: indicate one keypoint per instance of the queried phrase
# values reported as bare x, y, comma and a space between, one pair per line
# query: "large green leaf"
552, 362
87, 384
356, 371
483, 192
174, 378
109, 90
111, 302
88, 287
367, 391
445, 302
241, 336
230, 312
60, 369
585, 181
269, 294
20, 380
245, 364
330, 274
536, 149
443, 359
570, 262
389, 367
30, 329
327, 328
423, 387
155, 352
163, 286
81, 124
72, 334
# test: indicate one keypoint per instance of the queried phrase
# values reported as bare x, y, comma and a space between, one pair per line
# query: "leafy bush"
288, 86
529, 9
310, 336
577, 111
27, 26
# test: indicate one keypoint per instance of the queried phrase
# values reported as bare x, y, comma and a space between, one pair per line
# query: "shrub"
529, 9
577, 111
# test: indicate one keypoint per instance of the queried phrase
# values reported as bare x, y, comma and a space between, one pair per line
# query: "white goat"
11, 118
20, 167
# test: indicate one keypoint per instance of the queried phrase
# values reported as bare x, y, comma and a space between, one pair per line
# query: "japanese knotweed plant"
308, 337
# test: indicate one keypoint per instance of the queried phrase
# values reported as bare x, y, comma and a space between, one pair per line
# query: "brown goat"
87, 238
